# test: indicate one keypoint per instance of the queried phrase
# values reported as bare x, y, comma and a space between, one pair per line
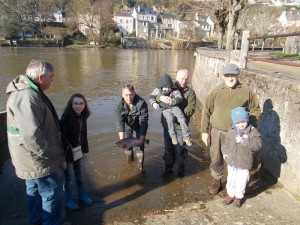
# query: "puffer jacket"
176, 98
242, 154
136, 117
187, 105
34, 137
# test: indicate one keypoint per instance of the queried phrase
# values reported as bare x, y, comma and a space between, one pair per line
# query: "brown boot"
216, 187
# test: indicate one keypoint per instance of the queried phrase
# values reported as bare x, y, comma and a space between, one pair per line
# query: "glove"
155, 105
239, 139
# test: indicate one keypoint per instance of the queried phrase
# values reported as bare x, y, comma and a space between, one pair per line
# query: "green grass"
281, 55
38, 40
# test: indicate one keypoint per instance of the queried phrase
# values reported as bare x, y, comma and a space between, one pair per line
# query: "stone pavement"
274, 68
274, 206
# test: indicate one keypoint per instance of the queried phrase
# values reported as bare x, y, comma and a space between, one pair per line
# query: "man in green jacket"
35, 143
177, 153
216, 118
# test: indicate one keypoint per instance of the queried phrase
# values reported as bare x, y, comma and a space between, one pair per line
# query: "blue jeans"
44, 197
76, 166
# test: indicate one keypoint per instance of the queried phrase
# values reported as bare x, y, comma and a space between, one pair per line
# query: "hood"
166, 81
20, 83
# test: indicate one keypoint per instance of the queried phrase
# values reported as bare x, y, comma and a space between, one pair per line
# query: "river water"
119, 190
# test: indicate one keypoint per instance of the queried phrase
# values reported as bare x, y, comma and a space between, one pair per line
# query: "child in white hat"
242, 141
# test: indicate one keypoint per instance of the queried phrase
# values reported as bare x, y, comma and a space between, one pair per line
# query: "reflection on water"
96, 73
99, 75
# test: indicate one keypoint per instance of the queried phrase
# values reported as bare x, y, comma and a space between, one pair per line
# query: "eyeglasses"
230, 75
78, 103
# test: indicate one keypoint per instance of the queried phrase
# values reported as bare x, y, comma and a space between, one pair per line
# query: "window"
152, 17
169, 25
121, 21
126, 21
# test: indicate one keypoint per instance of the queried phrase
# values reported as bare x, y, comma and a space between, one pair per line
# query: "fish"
129, 142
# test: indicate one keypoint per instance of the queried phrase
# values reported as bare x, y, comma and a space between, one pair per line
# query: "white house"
289, 18
145, 22
59, 16
206, 24
125, 22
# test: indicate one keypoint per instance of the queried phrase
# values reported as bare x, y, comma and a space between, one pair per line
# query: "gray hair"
39, 67
182, 71
128, 87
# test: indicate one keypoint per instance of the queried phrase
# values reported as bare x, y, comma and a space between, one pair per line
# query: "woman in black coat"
73, 124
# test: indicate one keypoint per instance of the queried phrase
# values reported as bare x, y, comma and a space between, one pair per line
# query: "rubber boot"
216, 186
82, 196
140, 159
69, 203
180, 160
129, 155
169, 162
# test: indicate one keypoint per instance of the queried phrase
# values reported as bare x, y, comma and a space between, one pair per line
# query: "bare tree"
234, 9
22, 12
92, 13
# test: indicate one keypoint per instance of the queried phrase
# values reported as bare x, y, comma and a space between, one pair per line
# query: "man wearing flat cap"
216, 119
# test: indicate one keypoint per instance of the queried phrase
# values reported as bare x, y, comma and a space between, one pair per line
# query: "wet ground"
119, 190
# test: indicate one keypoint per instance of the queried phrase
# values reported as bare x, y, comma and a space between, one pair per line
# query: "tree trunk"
221, 39
292, 45
230, 31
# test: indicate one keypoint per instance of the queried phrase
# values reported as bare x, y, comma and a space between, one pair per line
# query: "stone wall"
279, 123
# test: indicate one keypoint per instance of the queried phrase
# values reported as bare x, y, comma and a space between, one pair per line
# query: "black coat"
70, 132
136, 117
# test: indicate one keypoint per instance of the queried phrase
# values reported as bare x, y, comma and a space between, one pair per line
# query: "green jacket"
188, 106
220, 102
34, 137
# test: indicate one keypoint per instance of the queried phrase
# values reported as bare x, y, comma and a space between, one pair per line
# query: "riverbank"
127, 42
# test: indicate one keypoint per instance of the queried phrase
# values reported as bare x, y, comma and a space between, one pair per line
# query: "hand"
165, 99
238, 139
63, 165
84, 156
155, 105
225, 157
205, 137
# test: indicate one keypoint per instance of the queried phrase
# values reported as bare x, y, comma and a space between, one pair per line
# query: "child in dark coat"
166, 88
242, 141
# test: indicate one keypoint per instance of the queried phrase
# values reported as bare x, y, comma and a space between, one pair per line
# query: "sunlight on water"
96, 73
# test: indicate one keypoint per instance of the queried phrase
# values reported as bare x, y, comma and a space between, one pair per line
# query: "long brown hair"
69, 109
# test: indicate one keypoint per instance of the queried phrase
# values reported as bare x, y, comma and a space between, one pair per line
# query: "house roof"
145, 10
167, 16
201, 22
125, 14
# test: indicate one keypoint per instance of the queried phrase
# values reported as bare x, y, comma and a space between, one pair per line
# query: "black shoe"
180, 172
168, 172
